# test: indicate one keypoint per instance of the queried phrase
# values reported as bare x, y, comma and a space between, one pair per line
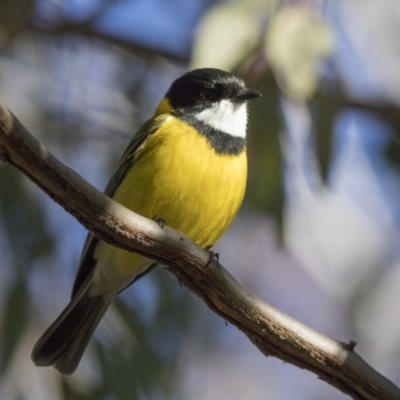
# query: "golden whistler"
186, 166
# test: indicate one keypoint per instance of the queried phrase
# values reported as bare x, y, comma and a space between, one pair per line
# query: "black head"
200, 88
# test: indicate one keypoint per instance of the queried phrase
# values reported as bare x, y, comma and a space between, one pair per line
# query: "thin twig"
87, 31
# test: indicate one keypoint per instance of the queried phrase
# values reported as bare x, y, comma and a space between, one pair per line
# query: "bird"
187, 167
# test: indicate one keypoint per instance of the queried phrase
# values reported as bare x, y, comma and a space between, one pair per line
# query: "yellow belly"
180, 178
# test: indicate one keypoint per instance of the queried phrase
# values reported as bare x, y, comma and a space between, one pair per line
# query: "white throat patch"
227, 117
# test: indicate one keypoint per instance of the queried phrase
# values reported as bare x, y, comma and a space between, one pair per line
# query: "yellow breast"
179, 177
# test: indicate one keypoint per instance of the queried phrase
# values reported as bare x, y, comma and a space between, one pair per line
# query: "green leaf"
265, 186
228, 33
324, 110
392, 153
23, 218
14, 321
296, 42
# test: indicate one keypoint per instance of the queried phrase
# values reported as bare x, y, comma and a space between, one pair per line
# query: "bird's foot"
214, 257
160, 221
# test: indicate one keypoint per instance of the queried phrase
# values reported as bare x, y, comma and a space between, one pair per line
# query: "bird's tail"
63, 343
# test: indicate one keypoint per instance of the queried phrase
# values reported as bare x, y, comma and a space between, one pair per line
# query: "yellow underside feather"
180, 178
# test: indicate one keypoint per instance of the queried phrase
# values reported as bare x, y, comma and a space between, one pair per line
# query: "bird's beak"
245, 95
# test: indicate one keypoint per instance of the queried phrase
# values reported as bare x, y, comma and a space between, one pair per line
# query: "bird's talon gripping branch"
160, 221
214, 258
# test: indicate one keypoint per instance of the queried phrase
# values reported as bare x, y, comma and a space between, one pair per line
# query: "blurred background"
318, 234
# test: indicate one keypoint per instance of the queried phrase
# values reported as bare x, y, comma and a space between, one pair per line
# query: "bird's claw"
214, 257
160, 221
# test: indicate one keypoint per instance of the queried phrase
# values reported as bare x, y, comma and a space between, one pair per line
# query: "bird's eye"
207, 95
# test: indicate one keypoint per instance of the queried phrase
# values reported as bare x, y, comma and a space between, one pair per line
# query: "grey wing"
128, 157
87, 261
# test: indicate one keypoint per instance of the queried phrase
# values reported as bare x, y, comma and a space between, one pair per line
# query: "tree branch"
272, 331
87, 31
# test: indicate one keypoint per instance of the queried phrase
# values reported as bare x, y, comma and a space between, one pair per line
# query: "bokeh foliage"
83, 91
